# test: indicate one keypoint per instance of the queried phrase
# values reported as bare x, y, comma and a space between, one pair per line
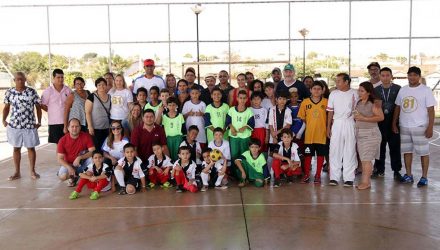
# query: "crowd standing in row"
165, 133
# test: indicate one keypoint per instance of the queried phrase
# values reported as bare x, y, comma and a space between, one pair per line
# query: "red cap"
149, 62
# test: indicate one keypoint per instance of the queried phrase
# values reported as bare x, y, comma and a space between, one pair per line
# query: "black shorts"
319, 149
133, 181
55, 133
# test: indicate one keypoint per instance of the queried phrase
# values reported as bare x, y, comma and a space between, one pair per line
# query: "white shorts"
413, 139
18, 138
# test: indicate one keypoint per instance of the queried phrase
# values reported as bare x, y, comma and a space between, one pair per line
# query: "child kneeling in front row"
251, 165
96, 176
129, 173
212, 171
159, 166
184, 171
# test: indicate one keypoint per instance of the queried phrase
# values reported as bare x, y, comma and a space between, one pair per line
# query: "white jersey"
217, 165
273, 120
260, 117
267, 104
142, 81
120, 100
152, 162
413, 102
190, 169
98, 172
223, 147
342, 103
137, 170
118, 148
199, 121
293, 151
197, 150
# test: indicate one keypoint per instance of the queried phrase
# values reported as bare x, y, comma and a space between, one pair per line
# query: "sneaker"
179, 189
166, 185
277, 183
74, 195
305, 179
422, 182
397, 176
204, 189
151, 185
348, 184
333, 183
220, 187
317, 180
122, 191
94, 195
407, 179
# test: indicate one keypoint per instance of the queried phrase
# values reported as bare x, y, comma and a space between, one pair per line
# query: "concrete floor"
39, 215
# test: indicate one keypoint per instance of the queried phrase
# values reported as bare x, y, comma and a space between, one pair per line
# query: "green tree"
383, 57
33, 64
70, 76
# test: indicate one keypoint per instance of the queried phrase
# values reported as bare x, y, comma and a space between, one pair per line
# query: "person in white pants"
341, 130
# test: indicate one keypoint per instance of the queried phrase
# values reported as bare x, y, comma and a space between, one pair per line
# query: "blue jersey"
297, 123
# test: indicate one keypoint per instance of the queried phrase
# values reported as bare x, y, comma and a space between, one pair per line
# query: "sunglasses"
116, 128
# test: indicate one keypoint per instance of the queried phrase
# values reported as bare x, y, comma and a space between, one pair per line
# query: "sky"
149, 23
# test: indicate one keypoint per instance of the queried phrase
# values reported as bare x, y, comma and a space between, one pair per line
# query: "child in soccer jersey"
213, 172
194, 146
96, 176
129, 173
280, 117
313, 113
184, 171
159, 167
240, 121
164, 94
154, 102
261, 129
174, 126
194, 111
221, 144
251, 165
298, 126
215, 114
285, 158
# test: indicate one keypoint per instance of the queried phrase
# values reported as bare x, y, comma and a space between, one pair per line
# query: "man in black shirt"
291, 82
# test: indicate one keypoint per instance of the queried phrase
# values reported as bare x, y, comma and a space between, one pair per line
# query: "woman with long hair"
233, 95
171, 85
133, 119
121, 98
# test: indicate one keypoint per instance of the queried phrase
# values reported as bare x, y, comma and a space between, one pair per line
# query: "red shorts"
260, 134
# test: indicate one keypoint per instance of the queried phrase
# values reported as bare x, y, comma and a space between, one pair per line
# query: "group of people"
177, 133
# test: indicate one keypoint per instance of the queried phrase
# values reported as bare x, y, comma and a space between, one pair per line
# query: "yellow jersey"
315, 117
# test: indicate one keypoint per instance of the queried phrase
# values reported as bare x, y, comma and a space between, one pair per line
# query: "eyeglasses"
116, 128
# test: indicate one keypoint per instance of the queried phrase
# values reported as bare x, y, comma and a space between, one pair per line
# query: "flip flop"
35, 176
14, 177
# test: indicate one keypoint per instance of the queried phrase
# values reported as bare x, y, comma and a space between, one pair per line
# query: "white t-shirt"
342, 103
266, 103
118, 148
105, 168
165, 163
190, 173
260, 117
120, 100
413, 102
224, 148
137, 170
273, 120
142, 81
199, 121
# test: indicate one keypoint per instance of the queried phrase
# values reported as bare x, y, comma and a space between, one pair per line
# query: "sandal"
14, 177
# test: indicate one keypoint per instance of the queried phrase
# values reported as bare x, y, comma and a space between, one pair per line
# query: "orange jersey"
315, 117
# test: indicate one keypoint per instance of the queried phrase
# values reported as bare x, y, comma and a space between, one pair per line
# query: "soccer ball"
215, 155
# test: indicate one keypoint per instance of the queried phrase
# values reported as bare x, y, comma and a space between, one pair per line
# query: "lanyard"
383, 94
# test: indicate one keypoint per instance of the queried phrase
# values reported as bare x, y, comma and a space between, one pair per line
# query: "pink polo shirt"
55, 102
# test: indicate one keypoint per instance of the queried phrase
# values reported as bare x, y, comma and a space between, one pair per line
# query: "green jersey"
256, 164
215, 117
173, 126
154, 108
239, 120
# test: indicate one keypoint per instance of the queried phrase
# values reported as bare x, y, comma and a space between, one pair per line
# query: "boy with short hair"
163, 107
194, 111
191, 142
154, 103
298, 126
174, 125
215, 114
159, 166
269, 101
129, 171
261, 129
251, 165
280, 118
286, 158
141, 97
221, 144
184, 171
313, 113
213, 172
96, 176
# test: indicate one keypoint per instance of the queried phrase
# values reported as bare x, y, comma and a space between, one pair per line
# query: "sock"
219, 180
205, 178
307, 165
319, 164
120, 177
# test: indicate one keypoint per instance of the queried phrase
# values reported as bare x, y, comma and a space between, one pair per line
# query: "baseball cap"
415, 69
289, 66
276, 69
375, 64
149, 62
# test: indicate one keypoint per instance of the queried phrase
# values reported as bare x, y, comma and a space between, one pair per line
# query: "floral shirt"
22, 103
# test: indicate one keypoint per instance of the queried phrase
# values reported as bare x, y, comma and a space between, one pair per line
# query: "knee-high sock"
205, 178
307, 165
218, 182
319, 164
120, 177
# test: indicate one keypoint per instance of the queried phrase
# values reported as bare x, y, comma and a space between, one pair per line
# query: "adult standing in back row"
53, 102
291, 82
149, 79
